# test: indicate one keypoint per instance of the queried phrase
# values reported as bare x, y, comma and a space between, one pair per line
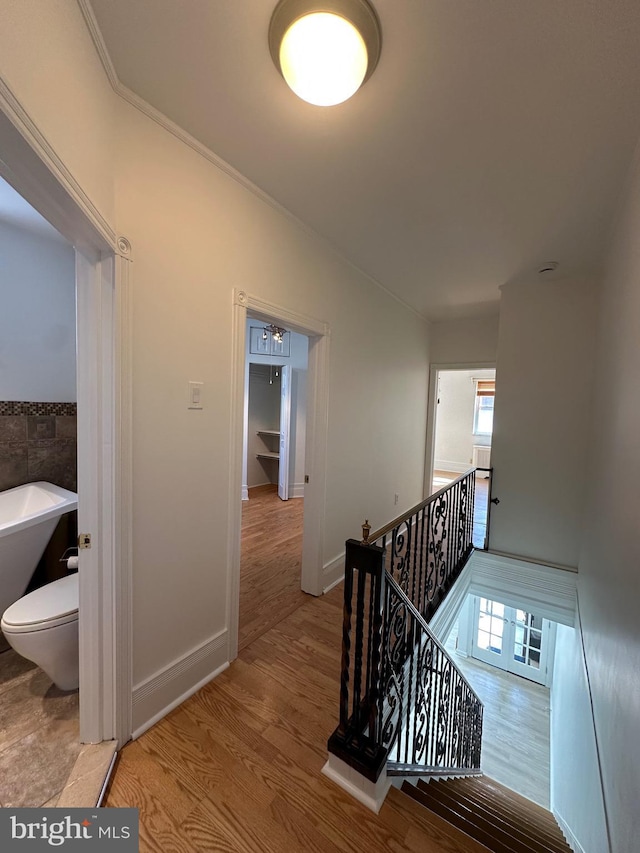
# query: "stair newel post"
356, 740
346, 646
375, 653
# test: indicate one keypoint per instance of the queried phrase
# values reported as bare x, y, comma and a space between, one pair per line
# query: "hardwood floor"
237, 766
515, 731
271, 561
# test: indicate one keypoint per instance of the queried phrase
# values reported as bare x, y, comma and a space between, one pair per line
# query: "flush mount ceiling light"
325, 49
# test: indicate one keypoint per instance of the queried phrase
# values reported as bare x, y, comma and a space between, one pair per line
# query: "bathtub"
28, 516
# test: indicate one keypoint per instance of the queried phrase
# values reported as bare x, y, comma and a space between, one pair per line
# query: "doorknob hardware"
495, 501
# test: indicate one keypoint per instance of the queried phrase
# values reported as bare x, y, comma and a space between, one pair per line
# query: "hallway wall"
544, 381
608, 579
49, 61
573, 747
197, 234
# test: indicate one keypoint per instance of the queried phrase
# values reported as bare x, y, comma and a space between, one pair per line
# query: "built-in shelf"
267, 455
269, 432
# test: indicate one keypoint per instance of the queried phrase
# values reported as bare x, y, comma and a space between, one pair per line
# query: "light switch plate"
196, 392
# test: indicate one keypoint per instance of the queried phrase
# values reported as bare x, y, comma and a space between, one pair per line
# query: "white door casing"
285, 432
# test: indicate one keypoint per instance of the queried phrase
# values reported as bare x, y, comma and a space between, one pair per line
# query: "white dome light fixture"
325, 49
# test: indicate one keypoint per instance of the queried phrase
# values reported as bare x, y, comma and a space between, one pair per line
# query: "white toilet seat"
47, 607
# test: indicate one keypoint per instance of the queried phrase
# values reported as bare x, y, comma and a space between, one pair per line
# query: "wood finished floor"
237, 767
515, 729
271, 560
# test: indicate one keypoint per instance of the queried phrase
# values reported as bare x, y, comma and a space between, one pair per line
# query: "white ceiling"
493, 136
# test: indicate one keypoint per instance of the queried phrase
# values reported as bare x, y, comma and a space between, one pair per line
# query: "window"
483, 413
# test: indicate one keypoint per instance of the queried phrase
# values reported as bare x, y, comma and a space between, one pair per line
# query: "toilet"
43, 627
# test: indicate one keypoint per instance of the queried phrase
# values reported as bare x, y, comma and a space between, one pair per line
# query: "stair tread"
545, 822
427, 823
507, 794
499, 818
490, 840
510, 824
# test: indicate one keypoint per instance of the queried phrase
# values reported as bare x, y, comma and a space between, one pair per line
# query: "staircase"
500, 819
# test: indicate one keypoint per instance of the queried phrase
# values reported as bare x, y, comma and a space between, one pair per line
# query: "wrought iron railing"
427, 546
431, 718
402, 699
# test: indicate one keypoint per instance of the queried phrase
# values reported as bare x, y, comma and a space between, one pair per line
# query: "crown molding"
179, 133
99, 43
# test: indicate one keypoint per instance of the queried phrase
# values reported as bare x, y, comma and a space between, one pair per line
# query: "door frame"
467, 637
432, 410
317, 425
103, 326
284, 442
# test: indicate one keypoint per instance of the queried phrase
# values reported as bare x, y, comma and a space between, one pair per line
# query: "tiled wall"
38, 442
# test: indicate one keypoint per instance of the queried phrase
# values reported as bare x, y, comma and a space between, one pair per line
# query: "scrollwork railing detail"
403, 701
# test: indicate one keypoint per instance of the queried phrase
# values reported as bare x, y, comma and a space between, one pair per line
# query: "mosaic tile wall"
38, 441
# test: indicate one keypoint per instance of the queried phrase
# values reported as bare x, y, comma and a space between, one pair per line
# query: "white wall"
38, 317
609, 558
196, 235
454, 438
576, 790
465, 341
543, 406
48, 60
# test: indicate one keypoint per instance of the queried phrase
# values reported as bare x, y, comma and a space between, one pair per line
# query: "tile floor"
39, 734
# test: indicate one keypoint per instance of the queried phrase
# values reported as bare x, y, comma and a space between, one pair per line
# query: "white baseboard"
245, 493
572, 841
370, 794
454, 467
296, 490
154, 697
332, 573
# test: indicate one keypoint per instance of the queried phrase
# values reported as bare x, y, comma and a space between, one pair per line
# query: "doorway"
273, 477
315, 444
512, 639
459, 433
39, 704
104, 418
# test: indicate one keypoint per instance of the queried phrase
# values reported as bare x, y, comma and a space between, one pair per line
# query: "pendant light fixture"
325, 49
